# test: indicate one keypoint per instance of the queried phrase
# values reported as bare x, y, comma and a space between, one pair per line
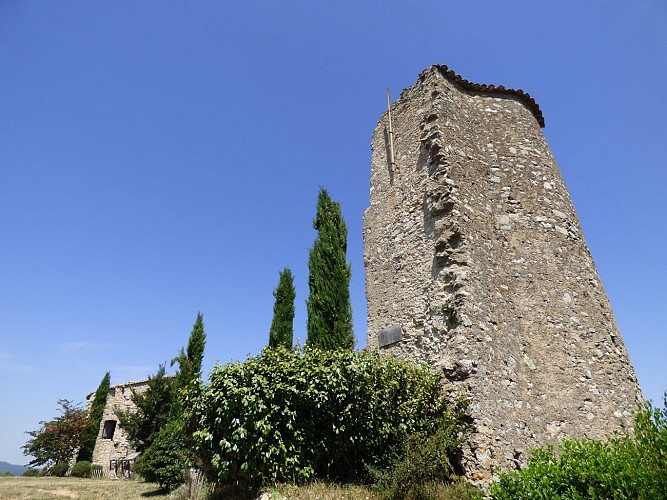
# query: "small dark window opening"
109, 429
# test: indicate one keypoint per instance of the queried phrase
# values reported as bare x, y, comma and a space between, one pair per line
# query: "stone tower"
112, 442
476, 264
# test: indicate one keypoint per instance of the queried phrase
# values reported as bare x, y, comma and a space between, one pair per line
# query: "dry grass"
64, 488
459, 490
323, 491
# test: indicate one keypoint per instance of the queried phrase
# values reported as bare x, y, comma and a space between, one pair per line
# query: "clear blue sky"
161, 158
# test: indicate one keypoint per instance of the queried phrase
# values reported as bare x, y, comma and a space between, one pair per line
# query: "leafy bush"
459, 489
81, 469
165, 460
623, 467
58, 470
423, 470
96, 470
289, 416
157, 429
32, 472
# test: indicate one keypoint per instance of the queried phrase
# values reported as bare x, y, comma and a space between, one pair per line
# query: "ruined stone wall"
472, 246
118, 446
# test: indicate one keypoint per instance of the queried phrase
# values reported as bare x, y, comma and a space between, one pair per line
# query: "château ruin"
113, 449
476, 264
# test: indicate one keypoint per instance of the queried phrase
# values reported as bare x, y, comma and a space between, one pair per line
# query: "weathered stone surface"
472, 245
118, 446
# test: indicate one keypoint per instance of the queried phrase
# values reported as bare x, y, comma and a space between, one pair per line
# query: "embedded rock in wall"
476, 262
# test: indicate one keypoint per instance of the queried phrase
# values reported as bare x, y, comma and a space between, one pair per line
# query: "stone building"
476, 264
112, 443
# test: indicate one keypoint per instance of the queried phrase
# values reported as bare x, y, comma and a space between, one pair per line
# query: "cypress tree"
190, 360
329, 308
94, 418
282, 326
154, 409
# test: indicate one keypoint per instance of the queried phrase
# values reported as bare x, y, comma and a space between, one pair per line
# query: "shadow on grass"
160, 492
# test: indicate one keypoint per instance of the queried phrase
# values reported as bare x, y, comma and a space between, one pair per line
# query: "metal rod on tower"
391, 132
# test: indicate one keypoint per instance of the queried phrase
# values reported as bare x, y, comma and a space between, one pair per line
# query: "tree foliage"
282, 326
158, 428
58, 439
188, 376
290, 416
329, 308
190, 360
153, 410
94, 418
424, 469
165, 460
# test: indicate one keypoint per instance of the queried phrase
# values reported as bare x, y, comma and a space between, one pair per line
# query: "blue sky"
163, 158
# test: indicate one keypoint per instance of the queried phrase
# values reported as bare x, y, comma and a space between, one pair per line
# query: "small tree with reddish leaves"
58, 439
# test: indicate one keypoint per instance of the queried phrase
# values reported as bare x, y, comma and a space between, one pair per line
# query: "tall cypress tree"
329, 308
282, 326
94, 418
190, 360
154, 409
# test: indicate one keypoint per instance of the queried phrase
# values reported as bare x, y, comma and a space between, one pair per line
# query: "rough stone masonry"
112, 441
476, 264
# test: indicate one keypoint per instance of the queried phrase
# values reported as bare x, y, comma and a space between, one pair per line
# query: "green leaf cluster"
291, 416
282, 326
329, 307
58, 439
424, 468
153, 410
95, 414
165, 461
626, 466
158, 428
190, 360
81, 469
58, 470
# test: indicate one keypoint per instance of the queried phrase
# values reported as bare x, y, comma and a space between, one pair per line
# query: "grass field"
62, 488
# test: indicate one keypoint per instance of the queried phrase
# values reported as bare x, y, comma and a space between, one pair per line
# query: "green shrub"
423, 469
81, 469
6, 474
32, 472
165, 460
96, 470
58, 470
459, 489
623, 467
290, 416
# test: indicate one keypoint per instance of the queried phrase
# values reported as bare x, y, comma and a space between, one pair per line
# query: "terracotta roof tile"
488, 89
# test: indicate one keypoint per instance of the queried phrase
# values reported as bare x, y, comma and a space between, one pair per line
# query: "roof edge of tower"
457, 79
